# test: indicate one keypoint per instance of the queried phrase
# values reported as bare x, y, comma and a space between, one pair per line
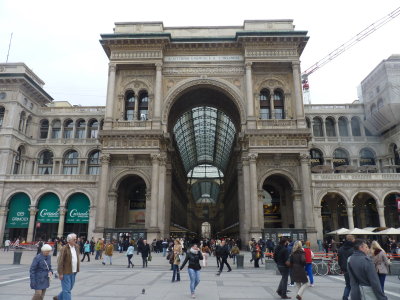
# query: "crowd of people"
364, 263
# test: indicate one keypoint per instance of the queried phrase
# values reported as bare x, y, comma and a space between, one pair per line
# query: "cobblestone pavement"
99, 282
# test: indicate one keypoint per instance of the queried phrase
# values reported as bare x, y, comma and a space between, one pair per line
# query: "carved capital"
159, 66
112, 68
155, 157
3, 211
245, 160
62, 210
304, 158
33, 210
295, 64
105, 159
253, 157
248, 65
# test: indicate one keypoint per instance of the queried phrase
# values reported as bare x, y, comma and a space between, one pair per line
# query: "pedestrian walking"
309, 258
164, 247
256, 254
218, 253
7, 244
129, 255
176, 260
193, 256
205, 251
39, 246
344, 253
68, 267
363, 276
41, 272
92, 244
146, 255
298, 263
86, 251
99, 249
381, 262
224, 254
108, 253
234, 252
281, 257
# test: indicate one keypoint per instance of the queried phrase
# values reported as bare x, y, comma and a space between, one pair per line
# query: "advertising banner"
78, 209
48, 209
18, 214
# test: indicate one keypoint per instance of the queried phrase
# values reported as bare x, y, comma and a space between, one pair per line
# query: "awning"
48, 209
78, 209
18, 214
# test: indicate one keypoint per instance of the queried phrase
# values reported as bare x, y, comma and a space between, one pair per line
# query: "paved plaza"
99, 282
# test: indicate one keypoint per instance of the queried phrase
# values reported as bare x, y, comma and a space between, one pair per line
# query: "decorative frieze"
109, 143
123, 55
277, 141
257, 53
202, 70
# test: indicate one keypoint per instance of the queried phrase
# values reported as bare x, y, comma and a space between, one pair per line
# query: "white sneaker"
193, 296
290, 284
312, 285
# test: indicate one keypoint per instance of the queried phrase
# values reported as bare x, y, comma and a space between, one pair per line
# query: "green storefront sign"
78, 209
48, 209
18, 214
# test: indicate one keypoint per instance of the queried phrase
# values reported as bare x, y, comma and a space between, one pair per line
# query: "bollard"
239, 261
17, 257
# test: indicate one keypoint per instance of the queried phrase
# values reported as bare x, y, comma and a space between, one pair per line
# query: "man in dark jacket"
224, 253
281, 257
344, 253
362, 272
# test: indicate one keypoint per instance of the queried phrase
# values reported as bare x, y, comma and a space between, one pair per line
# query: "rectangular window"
80, 133
264, 114
45, 170
279, 114
70, 170
67, 134
95, 170
94, 133
56, 133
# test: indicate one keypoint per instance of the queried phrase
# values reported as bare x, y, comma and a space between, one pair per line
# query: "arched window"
21, 121
143, 105
308, 123
340, 158
317, 157
18, 160
93, 129
330, 126
80, 129
70, 166
279, 104
130, 100
317, 127
355, 126
367, 157
396, 157
27, 125
343, 129
380, 103
44, 129
265, 109
68, 128
56, 129
2, 112
94, 163
45, 165
373, 108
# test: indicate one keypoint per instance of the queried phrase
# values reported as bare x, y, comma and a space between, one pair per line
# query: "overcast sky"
59, 40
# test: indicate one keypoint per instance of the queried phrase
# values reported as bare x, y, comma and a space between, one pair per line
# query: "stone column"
168, 187
318, 222
255, 229
272, 105
349, 210
103, 193
381, 214
155, 158
61, 222
241, 204
3, 219
136, 112
112, 68
92, 223
324, 128
349, 129
306, 185
337, 128
297, 210
246, 197
161, 195
31, 228
157, 92
298, 96
249, 96
112, 208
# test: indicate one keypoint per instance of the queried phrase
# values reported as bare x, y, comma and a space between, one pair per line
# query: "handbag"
149, 258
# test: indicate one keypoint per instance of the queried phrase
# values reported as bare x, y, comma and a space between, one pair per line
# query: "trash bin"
17, 257
239, 261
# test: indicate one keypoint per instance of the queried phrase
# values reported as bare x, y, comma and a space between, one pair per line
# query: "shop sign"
78, 209
48, 209
18, 214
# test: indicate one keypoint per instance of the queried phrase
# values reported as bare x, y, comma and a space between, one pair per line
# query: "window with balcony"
279, 104
367, 157
68, 129
355, 126
80, 129
265, 109
70, 163
340, 158
2, 112
93, 129
143, 105
18, 160
94, 163
130, 100
56, 129
317, 127
343, 126
317, 157
330, 126
45, 164
22, 121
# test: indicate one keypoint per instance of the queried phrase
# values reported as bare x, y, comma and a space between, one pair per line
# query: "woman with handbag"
176, 260
381, 262
298, 263
41, 272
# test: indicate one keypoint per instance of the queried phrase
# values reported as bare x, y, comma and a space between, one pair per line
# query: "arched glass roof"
205, 192
204, 135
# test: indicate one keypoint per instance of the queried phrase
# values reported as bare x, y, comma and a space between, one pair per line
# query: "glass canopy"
204, 137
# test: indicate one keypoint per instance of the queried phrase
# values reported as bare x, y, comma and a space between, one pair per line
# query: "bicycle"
330, 267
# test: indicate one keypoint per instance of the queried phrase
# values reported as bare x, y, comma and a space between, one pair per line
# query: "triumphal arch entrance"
205, 131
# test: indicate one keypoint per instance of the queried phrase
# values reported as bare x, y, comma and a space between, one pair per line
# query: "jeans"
164, 252
97, 255
282, 288
67, 283
234, 258
346, 292
176, 273
309, 272
194, 276
224, 261
129, 260
382, 278
106, 257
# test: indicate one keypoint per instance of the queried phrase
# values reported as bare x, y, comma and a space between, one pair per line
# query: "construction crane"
342, 48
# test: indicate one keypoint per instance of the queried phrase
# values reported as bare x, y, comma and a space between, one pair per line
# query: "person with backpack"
281, 257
